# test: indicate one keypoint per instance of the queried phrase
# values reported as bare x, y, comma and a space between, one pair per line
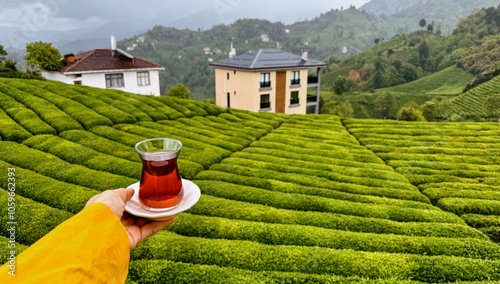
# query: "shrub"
312, 203
298, 235
410, 113
85, 116
139, 102
52, 192
208, 129
462, 206
34, 220
256, 132
47, 111
245, 122
481, 221
220, 207
25, 116
10, 130
54, 167
259, 257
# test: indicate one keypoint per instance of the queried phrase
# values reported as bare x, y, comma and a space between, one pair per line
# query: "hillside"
285, 199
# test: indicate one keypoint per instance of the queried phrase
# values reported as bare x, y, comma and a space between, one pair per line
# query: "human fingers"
125, 194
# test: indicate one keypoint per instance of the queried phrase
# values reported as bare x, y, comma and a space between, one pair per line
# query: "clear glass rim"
159, 155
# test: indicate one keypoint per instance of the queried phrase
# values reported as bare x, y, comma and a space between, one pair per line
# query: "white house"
109, 68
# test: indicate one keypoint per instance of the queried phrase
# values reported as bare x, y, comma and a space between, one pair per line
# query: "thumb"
125, 194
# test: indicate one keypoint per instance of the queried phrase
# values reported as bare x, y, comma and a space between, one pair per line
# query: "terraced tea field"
285, 199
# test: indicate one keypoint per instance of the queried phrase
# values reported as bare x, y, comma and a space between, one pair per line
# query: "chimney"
69, 58
305, 54
113, 45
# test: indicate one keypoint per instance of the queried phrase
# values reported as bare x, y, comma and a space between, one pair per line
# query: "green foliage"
179, 91
410, 112
422, 23
41, 55
10, 130
339, 86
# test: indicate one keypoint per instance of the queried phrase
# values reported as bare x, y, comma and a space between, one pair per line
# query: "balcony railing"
295, 82
294, 101
312, 79
265, 105
265, 84
312, 99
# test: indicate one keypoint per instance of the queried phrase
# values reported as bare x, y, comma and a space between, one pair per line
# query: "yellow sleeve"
90, 247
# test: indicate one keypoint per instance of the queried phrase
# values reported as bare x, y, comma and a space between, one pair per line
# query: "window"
114, 80
228, 99
294, 98
265, 80
264, 101
77, 82
143, 79
295, 77
228, 75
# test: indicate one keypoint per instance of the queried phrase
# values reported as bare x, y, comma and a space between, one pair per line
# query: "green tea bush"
100, 144
104, 109
34, 220
5, 250
254, 132
462, 206
437, 193
47, 111
77, 154
320, 204
174, 104
211, 109
377, 196
244, 115
54, 167
259, 257
481, 221
165, 271
52, 192
279, 234
313, 181
220, 207
161, 110
25, 116
492, 232
10, 130
85, 116
248, 122
181, 134
137, 101
114, 100
203, 128
336, 176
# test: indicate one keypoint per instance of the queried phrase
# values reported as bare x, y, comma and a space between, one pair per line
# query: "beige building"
268, 80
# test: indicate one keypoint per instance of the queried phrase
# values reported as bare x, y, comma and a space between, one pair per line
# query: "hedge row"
10, 130
420, 131
481, 221
77, 154
259, 257
437, 193
461, 186
469, 174
180, 108
320, 136
352, 171
190, 160
104, 109
183, 133
100, 144
320, 204
318, 182
47, 111
85, 116
5, 250
444, 166
317, 159
247, 116
52, 192
299, 235
394, 138
34, 220
183, 126
386, 196
112, 100
164, 271
54, 167
206, 125
435, 158
335, 176
217, 121
168, 111
220, 207
317, 152
462, 206
25, 116
248, 122
437, 143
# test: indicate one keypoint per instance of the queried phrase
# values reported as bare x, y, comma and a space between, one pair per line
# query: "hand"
138, 229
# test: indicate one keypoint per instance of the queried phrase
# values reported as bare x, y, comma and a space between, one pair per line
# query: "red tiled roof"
103, 59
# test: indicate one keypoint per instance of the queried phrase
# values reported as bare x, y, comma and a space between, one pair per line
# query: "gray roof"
267, 59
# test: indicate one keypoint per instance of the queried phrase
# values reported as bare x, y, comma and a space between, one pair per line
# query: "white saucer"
191, 196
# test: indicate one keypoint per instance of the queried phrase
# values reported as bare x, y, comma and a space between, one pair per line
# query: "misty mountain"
388, 7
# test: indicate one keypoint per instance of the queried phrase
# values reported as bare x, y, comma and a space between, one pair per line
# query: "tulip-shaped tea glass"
161, 185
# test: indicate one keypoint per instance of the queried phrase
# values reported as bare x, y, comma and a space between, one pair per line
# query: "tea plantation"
285, 199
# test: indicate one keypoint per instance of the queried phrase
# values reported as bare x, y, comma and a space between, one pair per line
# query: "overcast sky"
63, 15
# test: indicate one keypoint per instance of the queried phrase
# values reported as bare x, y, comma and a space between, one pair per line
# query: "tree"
430, 27
339, 86
377, 79
493, 106
430, 110
410, 112
43, 56
3, 53
179, 91
422, 23
409, 72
